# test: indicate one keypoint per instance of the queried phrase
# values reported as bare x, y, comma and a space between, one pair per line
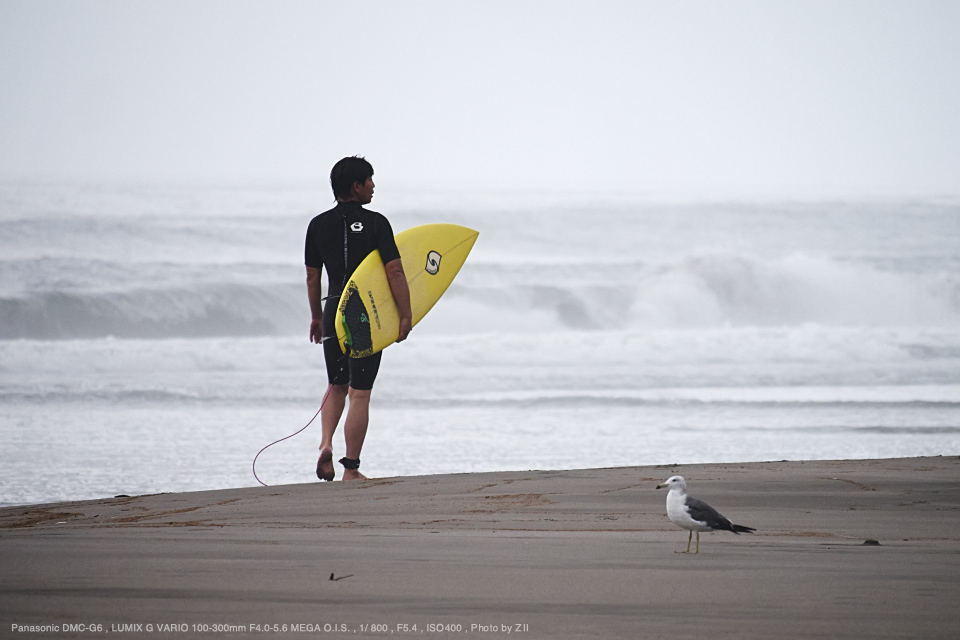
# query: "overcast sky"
772, 97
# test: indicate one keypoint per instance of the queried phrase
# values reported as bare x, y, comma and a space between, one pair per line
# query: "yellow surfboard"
431, 254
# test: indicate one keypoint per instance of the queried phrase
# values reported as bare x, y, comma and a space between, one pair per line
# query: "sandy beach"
541, 554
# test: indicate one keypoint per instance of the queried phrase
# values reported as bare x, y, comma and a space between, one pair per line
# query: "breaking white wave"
694, 291
206, 311
702, 290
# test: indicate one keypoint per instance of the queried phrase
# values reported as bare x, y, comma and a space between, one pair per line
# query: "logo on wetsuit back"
356, 227
433, 263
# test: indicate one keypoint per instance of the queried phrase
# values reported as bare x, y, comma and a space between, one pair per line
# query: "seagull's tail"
739, 528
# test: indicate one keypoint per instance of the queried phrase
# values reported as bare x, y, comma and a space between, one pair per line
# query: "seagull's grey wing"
703, 512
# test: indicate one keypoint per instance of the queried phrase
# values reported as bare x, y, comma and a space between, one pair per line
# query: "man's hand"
406, 324
316, 331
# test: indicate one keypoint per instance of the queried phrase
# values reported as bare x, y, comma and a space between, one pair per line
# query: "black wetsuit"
338, 240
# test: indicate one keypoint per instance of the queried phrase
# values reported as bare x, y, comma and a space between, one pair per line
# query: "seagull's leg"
698, 542
689, 538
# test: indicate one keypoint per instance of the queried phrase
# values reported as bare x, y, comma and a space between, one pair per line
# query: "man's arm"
401, 295
315, 295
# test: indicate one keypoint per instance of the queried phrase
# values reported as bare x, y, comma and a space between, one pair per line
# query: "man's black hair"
348, 172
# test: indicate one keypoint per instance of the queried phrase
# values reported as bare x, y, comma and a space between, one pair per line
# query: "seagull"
691, 514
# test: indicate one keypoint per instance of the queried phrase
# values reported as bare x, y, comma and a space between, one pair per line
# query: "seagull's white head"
676, 482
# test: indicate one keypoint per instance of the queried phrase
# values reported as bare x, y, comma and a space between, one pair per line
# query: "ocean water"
153, 339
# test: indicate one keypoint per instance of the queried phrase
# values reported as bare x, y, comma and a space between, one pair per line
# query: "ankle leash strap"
349, 463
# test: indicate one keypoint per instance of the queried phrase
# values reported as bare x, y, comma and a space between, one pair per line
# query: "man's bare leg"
355, 429
329, 419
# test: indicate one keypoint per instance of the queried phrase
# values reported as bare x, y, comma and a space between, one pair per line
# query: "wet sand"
539, 554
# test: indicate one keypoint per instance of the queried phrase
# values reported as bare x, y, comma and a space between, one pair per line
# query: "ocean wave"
944, 396
128, 397
205, 311
704, 290
696, 292
99, 298
879, 430
595, 403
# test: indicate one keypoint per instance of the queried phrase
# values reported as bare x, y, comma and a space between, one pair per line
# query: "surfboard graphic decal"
433, 263
356, 323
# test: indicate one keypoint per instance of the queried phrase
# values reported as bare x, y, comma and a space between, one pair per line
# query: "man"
338, 240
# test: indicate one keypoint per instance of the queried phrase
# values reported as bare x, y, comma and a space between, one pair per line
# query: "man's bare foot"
353, 474
325, 470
